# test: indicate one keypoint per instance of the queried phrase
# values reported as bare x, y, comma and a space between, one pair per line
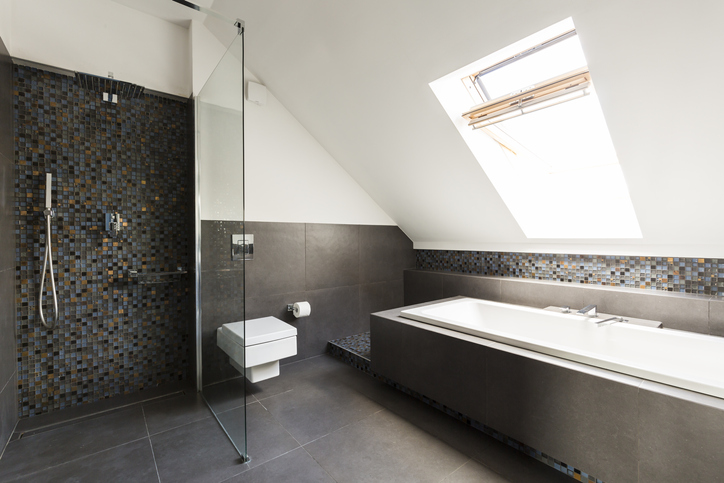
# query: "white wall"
98, 36
290, 177
6, 11
356, 76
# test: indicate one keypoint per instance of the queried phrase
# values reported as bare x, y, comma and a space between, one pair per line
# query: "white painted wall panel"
98, 36
356, 76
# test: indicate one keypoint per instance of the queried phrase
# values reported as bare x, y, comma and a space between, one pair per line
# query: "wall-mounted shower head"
109, 87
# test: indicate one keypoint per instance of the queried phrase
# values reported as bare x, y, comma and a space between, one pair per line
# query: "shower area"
126, 204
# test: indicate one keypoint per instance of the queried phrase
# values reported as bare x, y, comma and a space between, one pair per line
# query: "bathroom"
323, 131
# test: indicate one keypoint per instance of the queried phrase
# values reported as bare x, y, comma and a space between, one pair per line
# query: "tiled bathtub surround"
684, 275
355, 351
114, 336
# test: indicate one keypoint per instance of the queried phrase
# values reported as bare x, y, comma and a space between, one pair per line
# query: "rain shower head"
109, 86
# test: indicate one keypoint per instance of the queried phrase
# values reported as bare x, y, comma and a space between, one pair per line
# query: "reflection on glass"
219, 152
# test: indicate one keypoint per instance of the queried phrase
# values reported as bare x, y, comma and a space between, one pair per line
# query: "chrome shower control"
113, 224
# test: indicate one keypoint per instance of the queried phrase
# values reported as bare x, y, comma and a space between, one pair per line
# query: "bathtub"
677, 358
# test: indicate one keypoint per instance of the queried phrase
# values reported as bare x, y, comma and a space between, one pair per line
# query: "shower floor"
319, 421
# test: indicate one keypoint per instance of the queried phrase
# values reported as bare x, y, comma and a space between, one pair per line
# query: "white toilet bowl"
267, 340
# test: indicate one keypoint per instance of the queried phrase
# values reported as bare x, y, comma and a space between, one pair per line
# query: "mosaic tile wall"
115, 336
685, 275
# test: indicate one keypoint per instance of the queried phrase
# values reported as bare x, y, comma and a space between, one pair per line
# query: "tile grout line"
456, 469
320, 464
17, 478
295, 440
346, 425
150, 443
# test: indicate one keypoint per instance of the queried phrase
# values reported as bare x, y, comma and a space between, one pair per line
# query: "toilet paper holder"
300, 309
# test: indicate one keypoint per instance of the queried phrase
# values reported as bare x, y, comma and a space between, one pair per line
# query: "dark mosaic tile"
684, 275
114, 335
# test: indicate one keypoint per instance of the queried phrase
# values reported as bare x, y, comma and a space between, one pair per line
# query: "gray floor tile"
385, 447
266, 438
472, 472
320, 406
122, 464
296, 466
196, 452
226, 395
501, 458
54, 447
174, 412
296, 375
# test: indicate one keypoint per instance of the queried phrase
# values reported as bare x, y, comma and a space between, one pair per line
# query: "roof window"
555, 163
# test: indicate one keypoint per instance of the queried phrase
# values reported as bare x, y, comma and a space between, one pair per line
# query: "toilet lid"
258, 331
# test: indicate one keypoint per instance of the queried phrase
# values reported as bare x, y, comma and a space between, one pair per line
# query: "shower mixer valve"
113, 224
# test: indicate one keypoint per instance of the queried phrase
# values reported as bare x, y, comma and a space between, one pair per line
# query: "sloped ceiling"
356, 75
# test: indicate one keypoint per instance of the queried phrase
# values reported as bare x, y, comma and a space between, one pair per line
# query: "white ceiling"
356, 75
169, 10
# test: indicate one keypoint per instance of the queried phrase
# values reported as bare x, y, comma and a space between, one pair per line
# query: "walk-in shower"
143, 192
49, 214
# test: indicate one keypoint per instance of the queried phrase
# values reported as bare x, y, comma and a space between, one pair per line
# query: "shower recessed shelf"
147, 278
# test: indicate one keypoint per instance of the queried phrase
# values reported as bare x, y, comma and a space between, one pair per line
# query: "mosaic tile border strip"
703, 276
343, 349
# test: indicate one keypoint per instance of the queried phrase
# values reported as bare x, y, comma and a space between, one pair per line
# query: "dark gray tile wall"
8, 398
703, 314
587, 421
346, 272
447, 370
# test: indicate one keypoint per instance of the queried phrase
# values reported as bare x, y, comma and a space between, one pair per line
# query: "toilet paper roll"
301, 309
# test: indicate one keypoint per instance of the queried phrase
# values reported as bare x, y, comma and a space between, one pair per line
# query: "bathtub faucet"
588, 310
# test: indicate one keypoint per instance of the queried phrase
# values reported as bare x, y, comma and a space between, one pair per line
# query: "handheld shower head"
48, 190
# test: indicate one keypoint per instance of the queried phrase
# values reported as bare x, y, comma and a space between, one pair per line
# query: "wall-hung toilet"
267, 340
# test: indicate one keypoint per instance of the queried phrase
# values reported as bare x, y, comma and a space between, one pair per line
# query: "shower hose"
48, 261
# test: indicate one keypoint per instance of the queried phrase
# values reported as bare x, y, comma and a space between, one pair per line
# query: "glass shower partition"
220, 243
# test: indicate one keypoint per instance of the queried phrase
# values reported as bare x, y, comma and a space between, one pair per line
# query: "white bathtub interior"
682, 359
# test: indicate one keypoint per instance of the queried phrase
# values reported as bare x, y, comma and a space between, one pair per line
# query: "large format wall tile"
8, 409
385, 251
540, 294
8, 354
680, 435
216, 245
334, 315
675, 311
279, 259
8, 357
6, 104
422, 286
7, 228
375, 297
346, 272
470, 286
332, 256
587, 421
716, 317
446, 369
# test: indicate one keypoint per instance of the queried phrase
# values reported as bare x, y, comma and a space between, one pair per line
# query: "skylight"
538, 131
